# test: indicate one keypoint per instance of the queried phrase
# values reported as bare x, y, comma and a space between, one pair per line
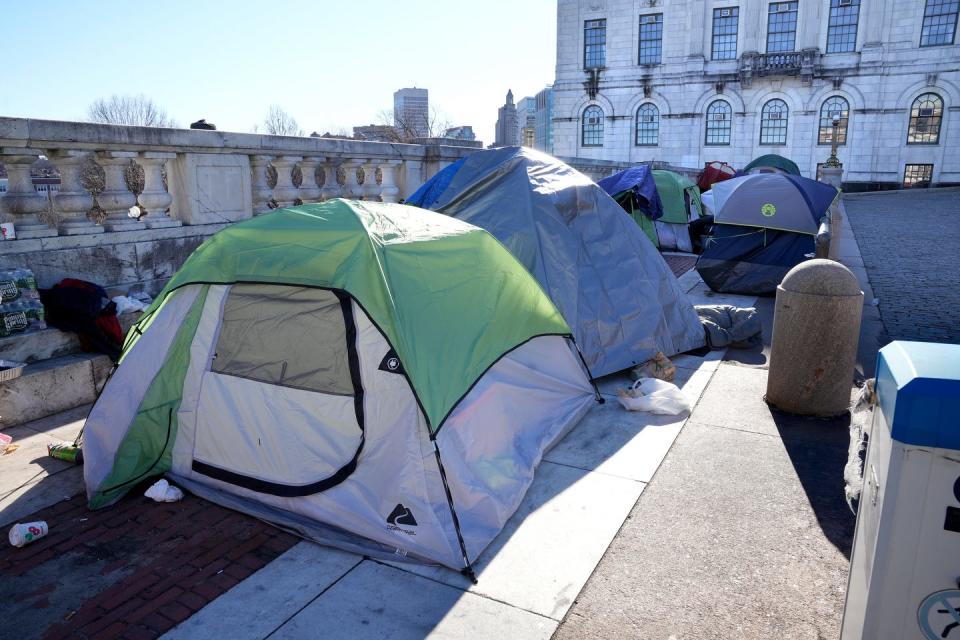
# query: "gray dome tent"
606, 278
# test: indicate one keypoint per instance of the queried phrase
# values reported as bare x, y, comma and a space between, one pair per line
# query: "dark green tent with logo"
765, 224
772, 162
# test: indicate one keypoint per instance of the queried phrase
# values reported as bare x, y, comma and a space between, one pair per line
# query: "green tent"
301, 364
773, 161
628, 200
680, 197
681, 203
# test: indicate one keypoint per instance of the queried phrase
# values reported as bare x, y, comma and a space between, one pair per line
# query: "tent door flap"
280, 409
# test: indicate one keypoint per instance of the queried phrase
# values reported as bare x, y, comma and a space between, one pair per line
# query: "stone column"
352, 187
156, 199
264, 179
389, 192
73, 201
371, 190
116, 199
285, 193
330, 187
22, 205
309, 187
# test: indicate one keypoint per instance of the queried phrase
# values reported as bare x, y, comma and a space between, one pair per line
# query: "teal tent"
772, 161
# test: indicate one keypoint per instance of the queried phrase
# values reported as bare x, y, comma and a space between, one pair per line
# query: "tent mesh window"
939, 22
287, 336
926, 115
718, 123
651, 38
648, 125
593, 126
842, 28
724, 46
773, 122
917, 175
781, 27
834, 107
594, 44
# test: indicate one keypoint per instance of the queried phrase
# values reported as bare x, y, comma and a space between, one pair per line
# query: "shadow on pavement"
818, 451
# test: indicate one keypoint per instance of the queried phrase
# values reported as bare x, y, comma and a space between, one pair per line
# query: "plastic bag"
163, 491
654, 396
128, 305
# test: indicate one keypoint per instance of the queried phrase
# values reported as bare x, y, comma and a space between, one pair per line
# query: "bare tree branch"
280, 123
138, 110
436, 125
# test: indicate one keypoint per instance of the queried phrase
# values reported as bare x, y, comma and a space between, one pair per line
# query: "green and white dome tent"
373, 376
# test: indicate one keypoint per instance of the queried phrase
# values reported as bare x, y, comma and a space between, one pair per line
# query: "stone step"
49, 343
51, 386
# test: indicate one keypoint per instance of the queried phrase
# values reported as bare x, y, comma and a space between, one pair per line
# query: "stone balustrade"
178, 176
185, 185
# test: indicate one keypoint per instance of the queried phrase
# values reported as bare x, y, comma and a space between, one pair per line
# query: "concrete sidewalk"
744, 531
740, 532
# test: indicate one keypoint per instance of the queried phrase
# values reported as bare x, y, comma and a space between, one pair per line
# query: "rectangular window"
842, 30
594, 44
781, 26
917, 175
939, 22
651, 38
725, 34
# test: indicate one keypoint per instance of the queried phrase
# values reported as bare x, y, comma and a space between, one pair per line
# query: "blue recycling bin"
905, 565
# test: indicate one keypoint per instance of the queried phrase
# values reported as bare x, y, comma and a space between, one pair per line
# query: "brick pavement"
133, 570
910, 243
680, 264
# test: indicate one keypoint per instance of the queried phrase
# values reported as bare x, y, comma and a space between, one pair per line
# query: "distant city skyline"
197, 60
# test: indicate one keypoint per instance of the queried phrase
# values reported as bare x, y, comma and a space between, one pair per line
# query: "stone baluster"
264, 179
371, 190
285, 193
73, 201
331, 185
156, 199
116, 198
353, 188
22, 205
412, 176
309, 187
389, 191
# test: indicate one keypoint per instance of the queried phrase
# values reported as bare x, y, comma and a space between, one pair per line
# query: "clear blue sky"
330, 64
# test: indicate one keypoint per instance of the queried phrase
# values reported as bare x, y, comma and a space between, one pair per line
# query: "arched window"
648, 125
773, 122
834, 107
926, 114
718, 123
592, 126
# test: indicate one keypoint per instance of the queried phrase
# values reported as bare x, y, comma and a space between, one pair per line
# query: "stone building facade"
691, 81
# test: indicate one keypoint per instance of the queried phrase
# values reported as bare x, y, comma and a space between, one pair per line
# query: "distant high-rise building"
526, 121
464, 132
411, 112
508, 132
543, 135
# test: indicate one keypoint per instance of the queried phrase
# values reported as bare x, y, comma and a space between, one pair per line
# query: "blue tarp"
430, 190
639, 179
